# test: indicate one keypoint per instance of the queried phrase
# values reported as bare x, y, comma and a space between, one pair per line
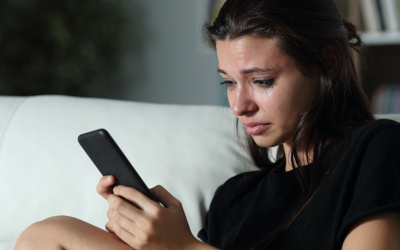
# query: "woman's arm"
376, 232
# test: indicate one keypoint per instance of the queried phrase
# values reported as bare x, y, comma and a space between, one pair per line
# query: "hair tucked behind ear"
313, 33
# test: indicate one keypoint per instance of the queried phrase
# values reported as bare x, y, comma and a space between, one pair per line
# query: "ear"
330, 59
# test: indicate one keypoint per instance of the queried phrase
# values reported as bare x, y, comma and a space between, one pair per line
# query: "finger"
103, 188
165, 197
109, 226
135, 197
110, 213
125, 223
120, 205
124, 235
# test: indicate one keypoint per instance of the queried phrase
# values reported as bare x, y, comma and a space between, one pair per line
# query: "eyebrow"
246, 71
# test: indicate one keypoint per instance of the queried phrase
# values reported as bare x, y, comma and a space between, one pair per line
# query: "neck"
302, 155
288, 155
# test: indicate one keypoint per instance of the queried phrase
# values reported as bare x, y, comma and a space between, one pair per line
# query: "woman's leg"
62, 232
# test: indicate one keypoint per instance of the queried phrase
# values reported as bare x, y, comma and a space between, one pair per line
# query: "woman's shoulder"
374, 134
368, 176
369, 149
377, 126
380, 136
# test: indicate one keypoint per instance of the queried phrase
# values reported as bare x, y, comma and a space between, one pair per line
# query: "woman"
291, 82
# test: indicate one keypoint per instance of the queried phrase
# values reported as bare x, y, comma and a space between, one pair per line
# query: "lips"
254, 128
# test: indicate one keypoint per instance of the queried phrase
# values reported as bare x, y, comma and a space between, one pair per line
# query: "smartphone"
109, 159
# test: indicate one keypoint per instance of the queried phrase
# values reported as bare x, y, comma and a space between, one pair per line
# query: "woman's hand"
103, 188
144, 224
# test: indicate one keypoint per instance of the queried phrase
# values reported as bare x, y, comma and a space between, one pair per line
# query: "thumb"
165, 197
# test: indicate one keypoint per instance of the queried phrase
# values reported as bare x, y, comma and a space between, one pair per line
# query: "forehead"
249, 52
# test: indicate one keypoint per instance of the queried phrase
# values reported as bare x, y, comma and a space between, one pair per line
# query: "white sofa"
190, 150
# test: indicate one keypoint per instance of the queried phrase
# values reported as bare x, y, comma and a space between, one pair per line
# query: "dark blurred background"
154, 51
141, 50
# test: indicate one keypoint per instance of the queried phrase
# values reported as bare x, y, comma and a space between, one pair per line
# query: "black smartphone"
109, 159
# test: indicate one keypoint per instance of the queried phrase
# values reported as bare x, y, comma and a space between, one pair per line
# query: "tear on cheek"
269, 89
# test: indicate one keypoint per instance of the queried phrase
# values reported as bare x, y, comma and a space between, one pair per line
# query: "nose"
243, 101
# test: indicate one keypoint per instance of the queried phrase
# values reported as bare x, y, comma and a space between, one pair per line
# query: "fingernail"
109, 178
114, 189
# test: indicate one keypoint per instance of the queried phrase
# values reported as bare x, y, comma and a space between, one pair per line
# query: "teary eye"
264, 83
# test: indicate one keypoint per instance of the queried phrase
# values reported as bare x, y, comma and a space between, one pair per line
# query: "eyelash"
227, 83
265, 83
261, 83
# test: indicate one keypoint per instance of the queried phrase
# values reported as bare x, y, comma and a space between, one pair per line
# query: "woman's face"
265, 89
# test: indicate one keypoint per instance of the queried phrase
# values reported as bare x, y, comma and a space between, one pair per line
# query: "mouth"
256, 128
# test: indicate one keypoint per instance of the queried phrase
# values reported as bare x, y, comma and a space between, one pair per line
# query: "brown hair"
313, 33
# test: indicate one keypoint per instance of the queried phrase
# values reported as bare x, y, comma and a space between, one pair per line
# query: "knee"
40, 235
57, 220
30, 237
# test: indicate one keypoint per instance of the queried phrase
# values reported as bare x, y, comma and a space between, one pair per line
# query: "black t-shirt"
365, 180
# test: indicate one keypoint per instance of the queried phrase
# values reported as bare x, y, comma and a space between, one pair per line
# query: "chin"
262, 141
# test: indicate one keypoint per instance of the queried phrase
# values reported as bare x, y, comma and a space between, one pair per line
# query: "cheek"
290, 101
276, 104
282, 109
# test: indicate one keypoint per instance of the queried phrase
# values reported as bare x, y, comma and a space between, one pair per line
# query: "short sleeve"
372, 185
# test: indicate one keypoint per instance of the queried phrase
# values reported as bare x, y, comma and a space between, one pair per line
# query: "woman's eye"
264, 83
228, 83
